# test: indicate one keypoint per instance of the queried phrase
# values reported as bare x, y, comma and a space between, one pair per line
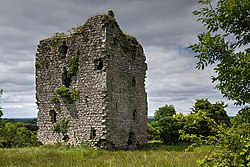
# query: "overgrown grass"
151, 155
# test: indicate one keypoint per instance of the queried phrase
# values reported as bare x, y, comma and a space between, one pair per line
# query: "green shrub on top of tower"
126, 42
131, 38
77, 30
55, 40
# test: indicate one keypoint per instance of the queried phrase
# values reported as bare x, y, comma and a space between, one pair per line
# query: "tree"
226, 44
196, 124
166, 125
230, 147
216, 111
165, 111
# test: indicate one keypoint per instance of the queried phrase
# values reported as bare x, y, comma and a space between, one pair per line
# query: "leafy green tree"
166, 125
195, 123
216, 111
243, 117
226, 45
15, 135
242, 122
165, 111
231, 148
153, 131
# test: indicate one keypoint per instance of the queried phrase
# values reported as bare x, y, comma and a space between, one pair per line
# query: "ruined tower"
90, 87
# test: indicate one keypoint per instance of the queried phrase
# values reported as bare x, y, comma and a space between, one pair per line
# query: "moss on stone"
42, 64
65, 92
73, 65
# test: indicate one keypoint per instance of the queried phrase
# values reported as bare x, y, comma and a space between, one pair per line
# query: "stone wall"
94, 80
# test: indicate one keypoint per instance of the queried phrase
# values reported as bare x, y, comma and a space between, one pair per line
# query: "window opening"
92, 133
63, 49
53, 114
65, 79
98, 64
133, 82
134, 114
131, 139
115, 41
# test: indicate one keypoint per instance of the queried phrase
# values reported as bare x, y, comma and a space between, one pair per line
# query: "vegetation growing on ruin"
73, 65
55, 40
78, 29
111, 19
54, 100
62, 128
42, 64
131, 38
65, 92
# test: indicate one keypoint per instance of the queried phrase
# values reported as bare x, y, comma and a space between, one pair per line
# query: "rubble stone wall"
95, 80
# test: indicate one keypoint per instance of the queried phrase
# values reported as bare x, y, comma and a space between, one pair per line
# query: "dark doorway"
131, 139
65, 79
52, 114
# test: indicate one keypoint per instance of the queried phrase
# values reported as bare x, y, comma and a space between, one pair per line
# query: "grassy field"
153, 155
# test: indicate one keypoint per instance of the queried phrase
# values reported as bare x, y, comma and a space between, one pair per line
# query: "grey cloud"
165, 29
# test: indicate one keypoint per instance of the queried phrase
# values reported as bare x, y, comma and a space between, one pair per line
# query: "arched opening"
93, 133
98, 64
133, 82
63, 49
115, 41
52, 114
131, 139
66, 81
134, 114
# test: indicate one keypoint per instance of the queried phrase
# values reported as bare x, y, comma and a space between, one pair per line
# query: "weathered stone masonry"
94, 80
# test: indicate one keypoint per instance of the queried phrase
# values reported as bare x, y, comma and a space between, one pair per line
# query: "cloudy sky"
164, 28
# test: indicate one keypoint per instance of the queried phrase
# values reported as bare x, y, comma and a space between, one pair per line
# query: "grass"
153, 155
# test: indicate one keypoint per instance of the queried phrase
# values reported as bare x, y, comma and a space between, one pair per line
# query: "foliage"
54, 100
223, 44
131, 38
42, 64
165, 111
166, 125
65, 92
77, 29
153, 131
243, 117
242, 121
216, 111
231, 145
73, 65
55, 39
15, 135
126, 42
62, 127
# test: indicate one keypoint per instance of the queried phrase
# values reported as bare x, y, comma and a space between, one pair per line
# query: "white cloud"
164, 28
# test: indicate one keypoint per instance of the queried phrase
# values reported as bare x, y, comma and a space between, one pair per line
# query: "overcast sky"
164, 28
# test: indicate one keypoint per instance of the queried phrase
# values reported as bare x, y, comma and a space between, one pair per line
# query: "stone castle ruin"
90, 87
